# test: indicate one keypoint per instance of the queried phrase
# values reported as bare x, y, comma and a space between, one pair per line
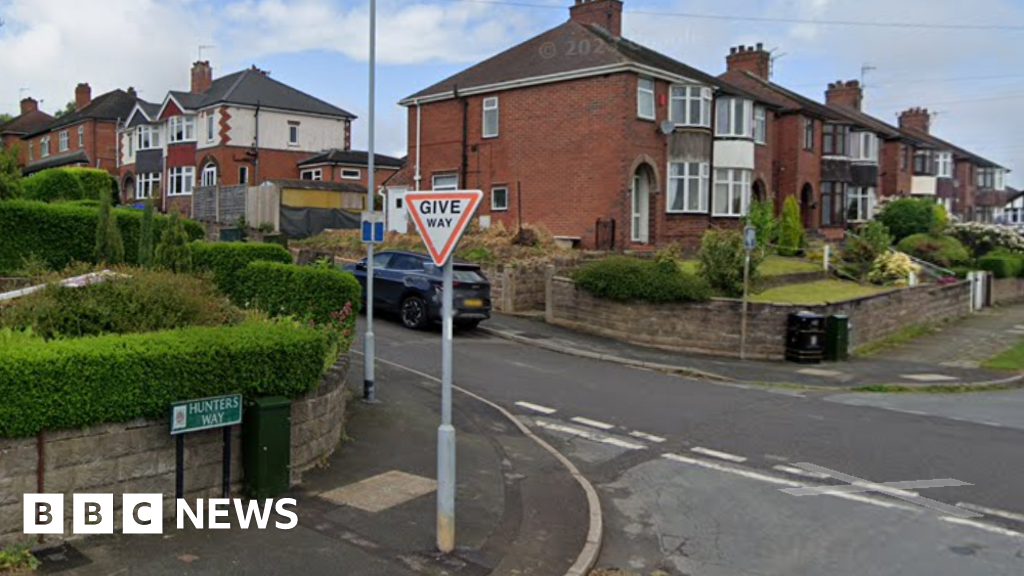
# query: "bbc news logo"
143, 513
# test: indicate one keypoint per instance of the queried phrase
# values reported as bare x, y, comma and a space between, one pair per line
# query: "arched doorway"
758, 192
128, 188
807, 207
640, 206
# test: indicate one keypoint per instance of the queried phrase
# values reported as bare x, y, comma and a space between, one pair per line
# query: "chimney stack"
916, 119
753, 59
605, 13
848, 94
131, 92
202, 76
29, 105
83, 96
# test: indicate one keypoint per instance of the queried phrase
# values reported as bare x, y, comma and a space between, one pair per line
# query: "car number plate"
473, 302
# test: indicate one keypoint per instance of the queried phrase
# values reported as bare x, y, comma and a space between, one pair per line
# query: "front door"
640, 220
807, 207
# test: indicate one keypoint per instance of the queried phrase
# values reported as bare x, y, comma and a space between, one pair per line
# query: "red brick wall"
100, 144
967, 191
895, 179
797, 166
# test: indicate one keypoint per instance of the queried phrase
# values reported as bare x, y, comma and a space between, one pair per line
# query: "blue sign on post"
372, 228
750, 238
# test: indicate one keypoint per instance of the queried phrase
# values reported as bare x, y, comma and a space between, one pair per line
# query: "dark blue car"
409, 284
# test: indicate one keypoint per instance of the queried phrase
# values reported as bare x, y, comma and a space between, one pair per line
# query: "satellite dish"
667, 127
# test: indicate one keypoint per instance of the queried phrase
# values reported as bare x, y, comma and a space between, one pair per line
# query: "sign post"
369, 346
204, 414
749, 244
441, 218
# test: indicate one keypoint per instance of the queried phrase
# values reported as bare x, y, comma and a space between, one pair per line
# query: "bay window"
864, 147
860, 203
944, 164
687, 186
832, 204
146, 185
181, 129
313, 174
147, 137
690, 106
645, 98
180, 180
834, 138
734, 117
732, 192
760, 125
924, 163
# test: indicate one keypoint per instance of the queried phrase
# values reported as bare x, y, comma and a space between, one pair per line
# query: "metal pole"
226, 464
369, 391
446, 432
179, 466
746, 293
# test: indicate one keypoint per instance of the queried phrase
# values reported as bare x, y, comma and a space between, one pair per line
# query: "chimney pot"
604, 13
83, 95
745, 58
760, 46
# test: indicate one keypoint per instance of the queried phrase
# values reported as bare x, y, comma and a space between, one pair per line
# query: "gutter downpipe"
419, 118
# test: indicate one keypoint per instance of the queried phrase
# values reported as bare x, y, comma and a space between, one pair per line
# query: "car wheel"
414, 313
467, 324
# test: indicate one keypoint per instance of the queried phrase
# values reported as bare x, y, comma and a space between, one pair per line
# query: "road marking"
876, 502
996, 424
646, 436
587, 434
928, 377
992, 511
717, 454
592, 423
729, 469
982, 526
536, 408
798, 471
821, 372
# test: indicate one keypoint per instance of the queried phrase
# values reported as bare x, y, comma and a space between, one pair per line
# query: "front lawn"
1010, 359
772, 266
821, 292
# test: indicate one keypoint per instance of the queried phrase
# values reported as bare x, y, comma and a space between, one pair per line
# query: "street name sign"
441, 218
206, 413
750, 238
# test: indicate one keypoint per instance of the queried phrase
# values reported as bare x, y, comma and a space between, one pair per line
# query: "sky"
972, 78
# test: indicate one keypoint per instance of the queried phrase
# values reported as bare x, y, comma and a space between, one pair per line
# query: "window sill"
489, 137
505, 209
169, 195
645, 119
727, 215
685, 212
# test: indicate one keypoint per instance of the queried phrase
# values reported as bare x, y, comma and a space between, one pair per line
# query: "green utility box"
837, 338
266, 446
231, 235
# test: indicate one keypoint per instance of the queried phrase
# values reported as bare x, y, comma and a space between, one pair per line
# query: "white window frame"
490, 109
185, 125
645, 94
315, 174
130, 134
694, 177
30, 154
81, 137
444, 187
808, 134
944, 164
734, 108
866, 198
351, 173
495, 207
209, 127
293, 133
209, 177
737, 184
1000, 180
687, 95
148, 137
63, 140
44, 146
181, 180
863, 147
243, 175
145, 183
760, 125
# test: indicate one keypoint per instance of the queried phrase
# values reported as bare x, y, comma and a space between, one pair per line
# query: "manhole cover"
60, 558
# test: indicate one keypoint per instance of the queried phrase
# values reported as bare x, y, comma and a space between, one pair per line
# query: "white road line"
646, 436
875, 501
592, 423
587, 434
799, 471
992, 511
717, 454
996, 424
737, 471
982, 526
536, 408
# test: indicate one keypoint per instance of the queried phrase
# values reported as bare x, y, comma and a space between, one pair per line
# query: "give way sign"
441, 218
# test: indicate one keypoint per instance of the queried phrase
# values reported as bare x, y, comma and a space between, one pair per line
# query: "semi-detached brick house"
609, 142
29, 121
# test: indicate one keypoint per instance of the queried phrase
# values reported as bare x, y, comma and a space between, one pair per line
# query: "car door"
401, 273
381, 262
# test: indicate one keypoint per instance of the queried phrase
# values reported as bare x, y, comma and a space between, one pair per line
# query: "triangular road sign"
441, 218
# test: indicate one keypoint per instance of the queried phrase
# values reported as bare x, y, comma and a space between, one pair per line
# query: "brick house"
30, 120
349, 166
241, 129
601, 140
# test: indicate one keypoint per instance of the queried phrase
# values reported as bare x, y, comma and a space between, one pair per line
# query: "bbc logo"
93, 514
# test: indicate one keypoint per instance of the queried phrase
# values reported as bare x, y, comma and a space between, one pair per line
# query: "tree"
173, 252
10, 174
791, 229
908, 216
5, 118
146, 236
109, 246
67, 109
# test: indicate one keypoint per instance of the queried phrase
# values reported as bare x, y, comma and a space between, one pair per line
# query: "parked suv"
409, 284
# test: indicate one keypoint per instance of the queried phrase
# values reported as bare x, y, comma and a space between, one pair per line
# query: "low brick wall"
139, 456
1008, 290
714, 327
520, 286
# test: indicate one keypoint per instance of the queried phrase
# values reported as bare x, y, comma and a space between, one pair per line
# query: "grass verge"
772, 266
1010, 359
902, 336
933, 389
820, 292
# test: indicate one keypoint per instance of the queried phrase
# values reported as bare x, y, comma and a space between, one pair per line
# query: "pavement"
951, 356
371, 508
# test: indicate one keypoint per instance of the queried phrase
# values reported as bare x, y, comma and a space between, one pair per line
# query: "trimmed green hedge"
226, 259
306, 292
944, 251
621, 278
1003, 265
69, 184
62, 233
85, 381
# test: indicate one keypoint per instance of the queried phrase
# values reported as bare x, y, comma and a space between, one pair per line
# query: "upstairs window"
44, 147
293, 133
130, 139
924, 163
944, 164
645, 98
1000, 179
148, 137
760, 125
735, 117
690, 106
315, 174
687, 187
808, 133
490, 125
351, 173
62, 141
30, 154
864, 147
209, 127
834, 138
444, 182
81, 136
181, 129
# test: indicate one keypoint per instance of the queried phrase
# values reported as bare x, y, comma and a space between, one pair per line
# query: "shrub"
63, 233
892, 268
1003, 265
944, 251
54, 184
226, 259
721, 259
761, 215
95, 183
109, 247
145, 256
10, 173
981, 239
908, 216
791, 228
84, 381
871, 240
621, 278
173, 253
941, 223
144, 301
305, 292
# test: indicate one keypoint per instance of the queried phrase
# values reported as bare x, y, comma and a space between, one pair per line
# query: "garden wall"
1007, 290
139, 456
520, 287
714, 327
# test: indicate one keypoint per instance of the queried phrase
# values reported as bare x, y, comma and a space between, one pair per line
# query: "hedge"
62, 233
1003, 265
85, 381
69, 184
226, 259
306, 292
941, 250
621, 278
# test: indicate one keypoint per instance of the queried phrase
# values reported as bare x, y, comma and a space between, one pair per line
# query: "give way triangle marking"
441, 218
